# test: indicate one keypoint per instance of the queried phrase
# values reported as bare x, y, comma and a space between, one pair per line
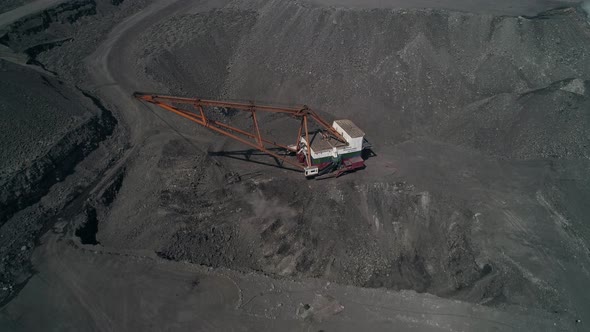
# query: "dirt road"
503, 7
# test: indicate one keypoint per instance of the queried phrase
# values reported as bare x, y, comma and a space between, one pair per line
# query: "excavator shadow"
247, 156
368, 154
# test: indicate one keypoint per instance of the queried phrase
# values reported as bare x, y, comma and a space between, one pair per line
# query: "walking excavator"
328, 152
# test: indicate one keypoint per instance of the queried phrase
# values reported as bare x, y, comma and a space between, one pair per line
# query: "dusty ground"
70, 293
477, 192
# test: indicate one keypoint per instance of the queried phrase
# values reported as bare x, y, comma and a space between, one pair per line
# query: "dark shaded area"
246, 155
87, 232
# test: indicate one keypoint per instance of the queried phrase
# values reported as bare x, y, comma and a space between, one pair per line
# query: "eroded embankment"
57, 138
50, 128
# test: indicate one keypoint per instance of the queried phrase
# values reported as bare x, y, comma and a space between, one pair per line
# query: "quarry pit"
472, 211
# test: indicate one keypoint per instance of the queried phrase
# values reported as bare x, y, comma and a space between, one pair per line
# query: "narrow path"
497, 7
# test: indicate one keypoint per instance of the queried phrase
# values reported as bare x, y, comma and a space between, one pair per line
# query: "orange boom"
337, 148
